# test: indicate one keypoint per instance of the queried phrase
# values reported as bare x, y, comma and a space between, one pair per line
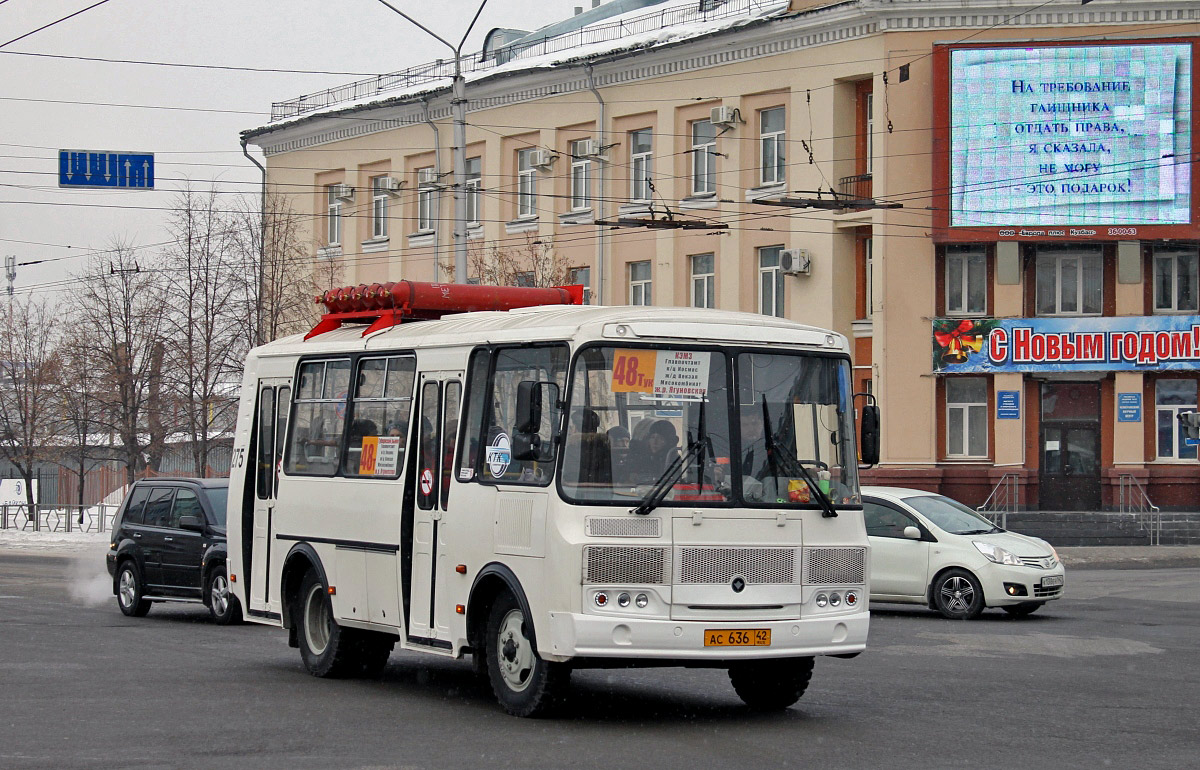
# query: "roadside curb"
1130, 557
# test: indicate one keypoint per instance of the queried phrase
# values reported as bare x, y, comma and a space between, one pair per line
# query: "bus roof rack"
383, 305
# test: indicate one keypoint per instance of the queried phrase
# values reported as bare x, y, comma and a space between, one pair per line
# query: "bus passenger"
648, 459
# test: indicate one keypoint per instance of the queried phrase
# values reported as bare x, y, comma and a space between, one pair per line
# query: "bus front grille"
626, 565
756, 566
834, 566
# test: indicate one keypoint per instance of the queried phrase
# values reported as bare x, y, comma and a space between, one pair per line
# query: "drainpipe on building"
601, 235
437, 172
262, 246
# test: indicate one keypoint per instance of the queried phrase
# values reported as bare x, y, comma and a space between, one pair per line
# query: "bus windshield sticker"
499, 455
662, 375
387, 457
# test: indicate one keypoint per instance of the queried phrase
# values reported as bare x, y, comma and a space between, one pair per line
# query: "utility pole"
458, 101
10, 269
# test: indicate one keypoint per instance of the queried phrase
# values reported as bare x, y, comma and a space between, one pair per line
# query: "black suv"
168, 545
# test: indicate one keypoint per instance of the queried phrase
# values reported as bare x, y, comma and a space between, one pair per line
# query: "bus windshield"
752, 429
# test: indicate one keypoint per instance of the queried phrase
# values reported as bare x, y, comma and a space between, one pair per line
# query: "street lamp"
458, 101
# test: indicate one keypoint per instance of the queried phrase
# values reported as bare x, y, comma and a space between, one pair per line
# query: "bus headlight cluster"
834, 599
623, 599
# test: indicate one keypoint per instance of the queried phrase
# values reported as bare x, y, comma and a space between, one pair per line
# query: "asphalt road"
1107, 677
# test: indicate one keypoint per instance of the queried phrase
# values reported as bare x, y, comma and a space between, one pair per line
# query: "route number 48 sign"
679, 375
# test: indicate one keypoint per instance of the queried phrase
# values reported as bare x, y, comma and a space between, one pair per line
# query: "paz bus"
545, 486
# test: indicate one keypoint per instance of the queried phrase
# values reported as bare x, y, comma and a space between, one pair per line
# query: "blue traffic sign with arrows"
106, 169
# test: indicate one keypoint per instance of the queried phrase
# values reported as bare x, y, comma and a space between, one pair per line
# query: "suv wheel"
222, 603
129, 591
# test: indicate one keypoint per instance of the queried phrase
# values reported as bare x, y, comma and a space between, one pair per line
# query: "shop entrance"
1070, 439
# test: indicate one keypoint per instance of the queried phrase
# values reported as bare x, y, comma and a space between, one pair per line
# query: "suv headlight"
996, 554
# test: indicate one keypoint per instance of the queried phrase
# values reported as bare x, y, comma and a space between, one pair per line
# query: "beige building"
706, 111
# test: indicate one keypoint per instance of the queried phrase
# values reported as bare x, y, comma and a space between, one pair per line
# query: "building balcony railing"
857, 187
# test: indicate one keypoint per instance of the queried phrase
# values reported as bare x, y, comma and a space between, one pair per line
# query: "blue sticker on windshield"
843, 388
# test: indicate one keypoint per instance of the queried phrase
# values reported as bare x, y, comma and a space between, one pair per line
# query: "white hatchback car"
929, 549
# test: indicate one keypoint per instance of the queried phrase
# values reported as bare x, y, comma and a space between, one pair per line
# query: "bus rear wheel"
326, 648
524, 684
771, 685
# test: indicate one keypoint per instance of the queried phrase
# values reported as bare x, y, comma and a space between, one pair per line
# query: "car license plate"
1051, 581
739, 637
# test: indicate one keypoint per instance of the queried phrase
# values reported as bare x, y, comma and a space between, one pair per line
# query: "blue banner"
1092, 344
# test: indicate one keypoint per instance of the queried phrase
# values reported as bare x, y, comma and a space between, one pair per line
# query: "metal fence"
58, 518
443, 69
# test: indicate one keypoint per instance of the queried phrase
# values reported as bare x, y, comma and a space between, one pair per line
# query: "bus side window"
283, 406
513, 366
453, 396
380, 410
319, 418
427, 446
266, 441
468, 455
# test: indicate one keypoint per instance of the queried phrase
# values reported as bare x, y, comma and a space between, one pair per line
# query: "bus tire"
130, 591
524, 684
771, 685
326, 648
374, 649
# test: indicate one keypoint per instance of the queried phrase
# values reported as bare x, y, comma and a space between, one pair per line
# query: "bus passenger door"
274, 400
436, 431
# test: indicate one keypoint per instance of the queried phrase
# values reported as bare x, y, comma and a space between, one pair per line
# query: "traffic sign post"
106, 169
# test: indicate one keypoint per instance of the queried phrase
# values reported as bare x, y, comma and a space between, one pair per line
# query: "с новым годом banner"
1097, 137
1125, 343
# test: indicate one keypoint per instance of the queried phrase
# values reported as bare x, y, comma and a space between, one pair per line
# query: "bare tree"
28, 372
282, 303
205, 291
121, 309
532, 263
79, 420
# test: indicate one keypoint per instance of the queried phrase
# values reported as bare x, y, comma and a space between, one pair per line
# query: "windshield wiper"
672, 474
795, 467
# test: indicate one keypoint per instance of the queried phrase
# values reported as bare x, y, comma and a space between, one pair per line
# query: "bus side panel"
241, 488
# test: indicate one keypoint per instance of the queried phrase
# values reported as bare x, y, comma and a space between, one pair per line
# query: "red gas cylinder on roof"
387, 304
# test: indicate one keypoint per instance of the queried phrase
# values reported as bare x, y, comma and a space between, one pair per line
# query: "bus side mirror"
533, 400
868, 443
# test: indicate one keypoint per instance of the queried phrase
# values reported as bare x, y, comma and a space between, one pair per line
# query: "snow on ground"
28, 540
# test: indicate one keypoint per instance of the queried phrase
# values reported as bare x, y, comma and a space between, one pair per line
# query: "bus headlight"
641, 601
623, 600
822, 600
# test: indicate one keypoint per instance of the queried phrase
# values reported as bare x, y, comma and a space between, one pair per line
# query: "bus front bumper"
602, 636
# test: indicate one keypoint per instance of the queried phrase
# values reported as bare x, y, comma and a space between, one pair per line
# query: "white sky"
360, 36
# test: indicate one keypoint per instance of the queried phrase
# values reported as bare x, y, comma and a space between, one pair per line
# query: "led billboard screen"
1045, 139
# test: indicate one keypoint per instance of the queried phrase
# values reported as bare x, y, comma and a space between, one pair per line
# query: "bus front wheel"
524, 684
325, 647
771, 685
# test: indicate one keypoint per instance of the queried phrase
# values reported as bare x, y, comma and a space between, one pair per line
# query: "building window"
865, 130
704, 158
426, 200
474, 183
1175, 274
525, 279
582, 275
1172, 397
581, 178
379, 207
333, 216
966, 280
526, 184
868, 277
639, 283
770, 282
641, 164
774, 145
966, 416
704, 281
1070, 280
869, 130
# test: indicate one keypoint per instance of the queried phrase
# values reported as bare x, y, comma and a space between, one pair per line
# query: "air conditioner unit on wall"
389, 184
427, 177
723, 115
343, 192
541, 158
795, 261
587, 148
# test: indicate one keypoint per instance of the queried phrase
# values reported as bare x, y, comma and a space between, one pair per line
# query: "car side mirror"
193, 523
912, 533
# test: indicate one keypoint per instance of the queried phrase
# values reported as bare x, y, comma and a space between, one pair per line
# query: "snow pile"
28, 540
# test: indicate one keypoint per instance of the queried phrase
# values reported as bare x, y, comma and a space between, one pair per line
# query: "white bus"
552, 487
